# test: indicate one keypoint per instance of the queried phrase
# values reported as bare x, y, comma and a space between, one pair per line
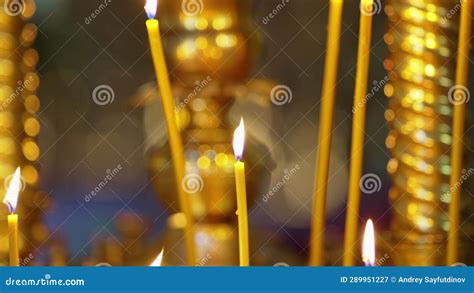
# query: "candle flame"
11, 198
368, 245
150, 7
157, 261
239, 140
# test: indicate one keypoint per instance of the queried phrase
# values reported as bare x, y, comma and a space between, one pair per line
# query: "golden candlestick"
421, 40
210, 53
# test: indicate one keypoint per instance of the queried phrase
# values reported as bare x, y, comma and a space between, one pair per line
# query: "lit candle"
368, 245
325, 132
239, 167
11, 200
157, 261
175, 141
459, 117
358, 127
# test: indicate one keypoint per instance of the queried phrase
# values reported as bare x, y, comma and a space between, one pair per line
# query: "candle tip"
159, 258
150, 8
239, 140
368, 244
11, 198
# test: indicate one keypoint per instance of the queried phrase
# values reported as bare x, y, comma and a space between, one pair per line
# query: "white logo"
103, 95
192, 183
281, 264
192, 7
8, 179
14, 7
370, 183
458, 95
281, 95
367, 8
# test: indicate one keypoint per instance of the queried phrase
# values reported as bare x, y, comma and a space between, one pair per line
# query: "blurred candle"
368, 245
358, 130
460, 98
11, 200
325, 132
239, 167
176, 144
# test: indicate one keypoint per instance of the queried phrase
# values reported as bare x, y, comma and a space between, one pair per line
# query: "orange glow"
368, 245
11, 198
150, 7
239, 140
157, 261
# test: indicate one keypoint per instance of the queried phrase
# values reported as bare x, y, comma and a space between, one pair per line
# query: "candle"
159, 258
358, 127
11, 200
239, 167
368, 245
175, 141
325, 132
459, 117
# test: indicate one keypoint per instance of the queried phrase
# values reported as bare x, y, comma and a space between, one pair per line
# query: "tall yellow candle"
239, 167
11, 200
174, 135
358, 127
325, 133
459, 97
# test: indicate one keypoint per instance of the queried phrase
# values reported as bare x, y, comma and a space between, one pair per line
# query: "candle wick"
10, 207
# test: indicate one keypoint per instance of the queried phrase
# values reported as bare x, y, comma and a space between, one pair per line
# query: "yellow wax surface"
325, 133
357, 148
13, 240
239, 168
459, 118
174, 135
